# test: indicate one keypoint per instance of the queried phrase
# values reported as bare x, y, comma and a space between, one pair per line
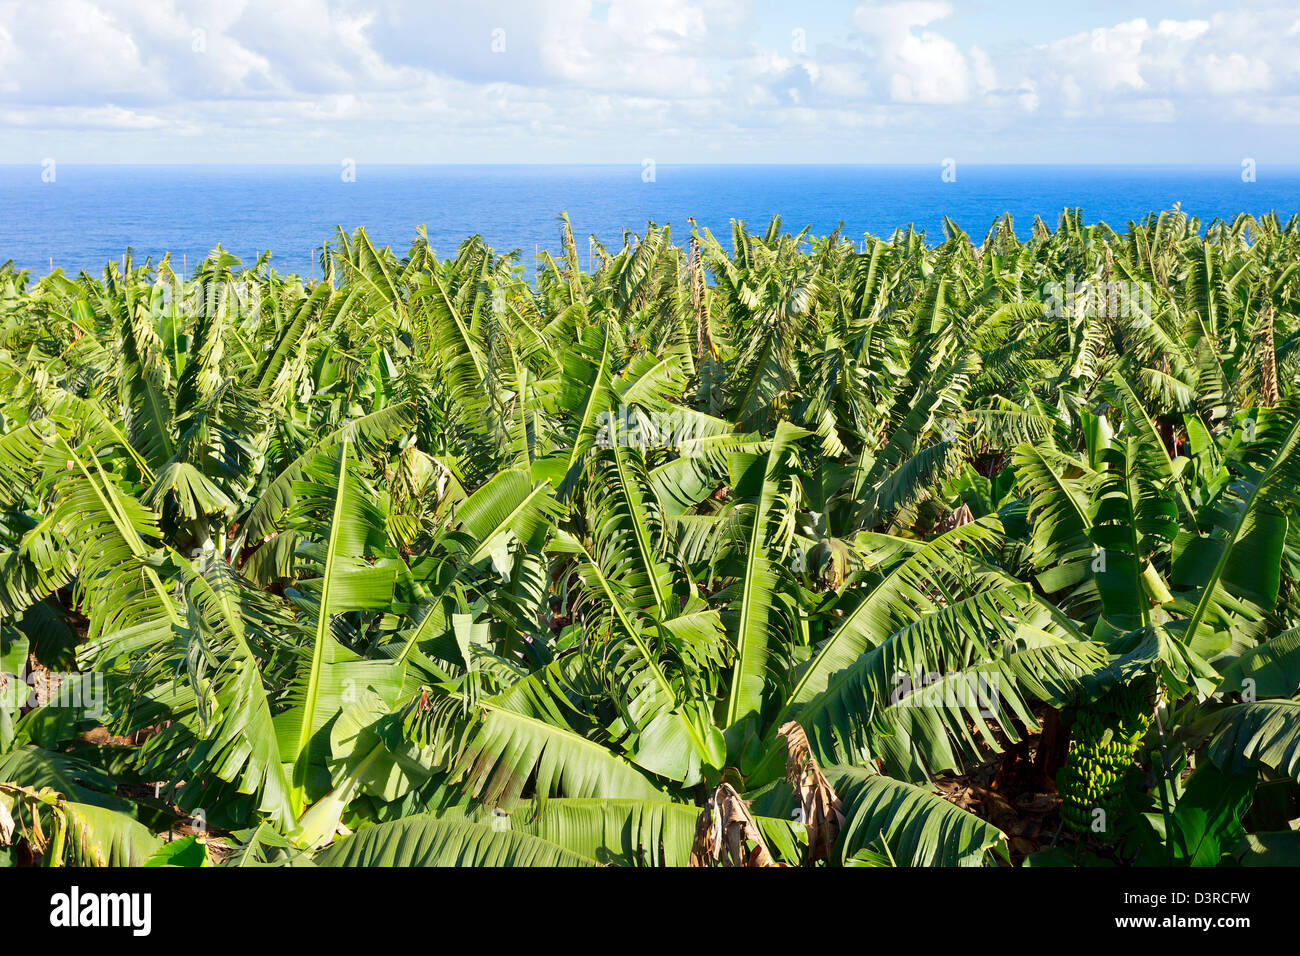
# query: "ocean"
81, 216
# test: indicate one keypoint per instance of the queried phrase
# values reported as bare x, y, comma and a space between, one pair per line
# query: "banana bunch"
1103, 744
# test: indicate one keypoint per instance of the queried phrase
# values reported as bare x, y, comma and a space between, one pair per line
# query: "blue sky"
676, 81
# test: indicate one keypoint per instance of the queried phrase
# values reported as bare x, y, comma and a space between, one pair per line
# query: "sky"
676, 81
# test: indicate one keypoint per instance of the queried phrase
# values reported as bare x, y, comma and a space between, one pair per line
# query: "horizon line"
634, 165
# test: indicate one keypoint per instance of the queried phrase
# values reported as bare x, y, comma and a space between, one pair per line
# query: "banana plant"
693, 556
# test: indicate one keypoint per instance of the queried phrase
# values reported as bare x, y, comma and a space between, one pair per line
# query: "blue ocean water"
91, 214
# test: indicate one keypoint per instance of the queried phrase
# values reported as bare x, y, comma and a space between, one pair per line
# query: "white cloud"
82, 117
565, 79
1235, 73
1217, 68
1027, 95
924, 67
1107, 58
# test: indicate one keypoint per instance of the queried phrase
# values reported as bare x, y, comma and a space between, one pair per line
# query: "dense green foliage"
428, 562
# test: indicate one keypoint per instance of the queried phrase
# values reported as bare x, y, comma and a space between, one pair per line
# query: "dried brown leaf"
819, 805
724, 831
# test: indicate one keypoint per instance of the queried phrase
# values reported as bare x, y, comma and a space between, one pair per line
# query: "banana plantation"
759, 550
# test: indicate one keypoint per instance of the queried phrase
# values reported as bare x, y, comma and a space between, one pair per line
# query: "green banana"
1105, 741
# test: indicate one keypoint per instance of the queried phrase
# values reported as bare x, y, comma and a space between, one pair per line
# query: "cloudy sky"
675, 80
